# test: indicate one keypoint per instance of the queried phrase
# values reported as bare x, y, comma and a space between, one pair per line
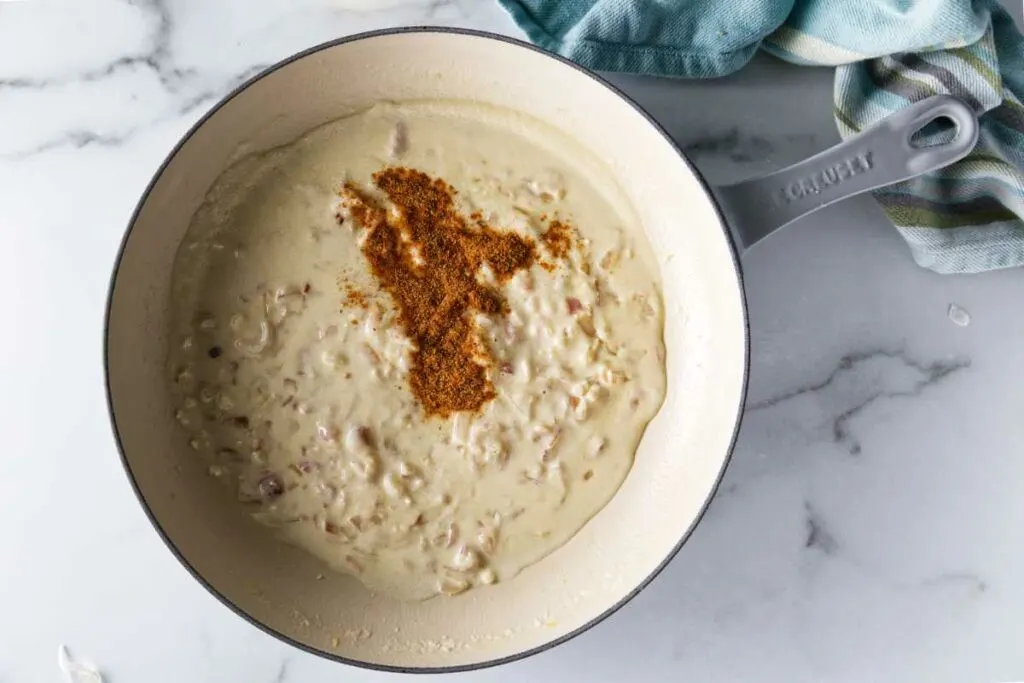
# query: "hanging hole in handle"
941, 130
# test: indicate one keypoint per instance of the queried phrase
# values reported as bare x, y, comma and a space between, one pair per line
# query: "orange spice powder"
559, 239
354, 297
427, 256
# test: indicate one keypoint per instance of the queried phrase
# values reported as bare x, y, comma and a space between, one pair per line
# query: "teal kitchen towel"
966, 218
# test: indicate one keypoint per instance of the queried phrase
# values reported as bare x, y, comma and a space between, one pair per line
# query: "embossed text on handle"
836, 174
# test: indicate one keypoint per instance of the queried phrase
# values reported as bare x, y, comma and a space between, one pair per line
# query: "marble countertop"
867, 529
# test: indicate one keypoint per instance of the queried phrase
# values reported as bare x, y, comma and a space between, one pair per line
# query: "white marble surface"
867, 530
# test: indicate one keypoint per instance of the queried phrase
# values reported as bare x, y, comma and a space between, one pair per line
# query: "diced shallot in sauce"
298, 375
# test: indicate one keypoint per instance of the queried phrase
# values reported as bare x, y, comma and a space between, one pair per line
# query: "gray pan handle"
879, 156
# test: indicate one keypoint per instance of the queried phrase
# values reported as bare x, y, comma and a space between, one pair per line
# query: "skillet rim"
484, 664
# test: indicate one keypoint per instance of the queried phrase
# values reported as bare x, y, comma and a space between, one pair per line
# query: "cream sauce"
298, 398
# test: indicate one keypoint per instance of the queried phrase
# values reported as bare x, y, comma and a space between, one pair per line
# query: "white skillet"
698, 233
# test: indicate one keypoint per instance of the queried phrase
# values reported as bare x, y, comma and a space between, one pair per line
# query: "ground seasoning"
427, 257
354, 297
558, 239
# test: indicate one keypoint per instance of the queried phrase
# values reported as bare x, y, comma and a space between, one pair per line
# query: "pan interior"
678, 462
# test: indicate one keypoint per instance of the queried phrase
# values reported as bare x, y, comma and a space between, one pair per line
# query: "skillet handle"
879, 156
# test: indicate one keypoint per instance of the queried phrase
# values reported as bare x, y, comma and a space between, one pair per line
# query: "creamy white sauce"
298, 398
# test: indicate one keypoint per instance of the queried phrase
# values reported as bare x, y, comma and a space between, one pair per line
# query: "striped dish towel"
968, 217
